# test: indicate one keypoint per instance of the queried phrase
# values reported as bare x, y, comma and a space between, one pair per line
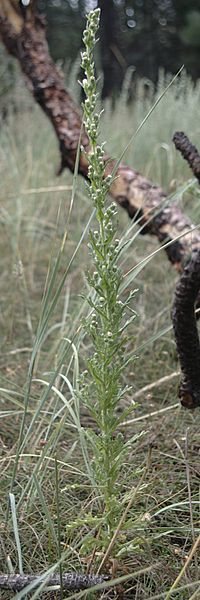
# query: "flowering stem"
104, 325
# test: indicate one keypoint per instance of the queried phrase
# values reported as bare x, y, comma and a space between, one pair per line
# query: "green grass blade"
16, 532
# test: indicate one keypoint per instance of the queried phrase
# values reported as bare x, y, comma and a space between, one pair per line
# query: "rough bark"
188, 151
44, 80
70, 581
186, 333
139, 197
186, 295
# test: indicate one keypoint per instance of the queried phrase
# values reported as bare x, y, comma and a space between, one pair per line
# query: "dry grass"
32, 228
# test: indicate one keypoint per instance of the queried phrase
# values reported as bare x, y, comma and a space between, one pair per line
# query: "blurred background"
145, 34
141, 36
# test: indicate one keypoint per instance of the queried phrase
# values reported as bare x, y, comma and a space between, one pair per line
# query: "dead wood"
70, 581
188, 151
186, 333
186, 294
139, 197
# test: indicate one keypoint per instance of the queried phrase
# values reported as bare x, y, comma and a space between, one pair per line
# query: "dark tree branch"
44, 80
188, 151
186, 295
70, 581
186, 333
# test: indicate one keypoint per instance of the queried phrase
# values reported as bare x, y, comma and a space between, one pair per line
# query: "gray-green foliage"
101, 388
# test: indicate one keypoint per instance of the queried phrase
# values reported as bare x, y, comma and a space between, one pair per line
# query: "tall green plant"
101, 386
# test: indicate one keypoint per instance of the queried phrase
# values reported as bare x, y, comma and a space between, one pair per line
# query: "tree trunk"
70, 581
113, 63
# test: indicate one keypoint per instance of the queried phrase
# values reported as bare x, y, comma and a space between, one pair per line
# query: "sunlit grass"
152, 151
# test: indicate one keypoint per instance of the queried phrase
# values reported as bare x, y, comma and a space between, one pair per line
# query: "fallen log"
186, 333
70, 581
186, 294
23, 34
188, 151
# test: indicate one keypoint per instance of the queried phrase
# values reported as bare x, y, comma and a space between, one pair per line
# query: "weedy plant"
101, 386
